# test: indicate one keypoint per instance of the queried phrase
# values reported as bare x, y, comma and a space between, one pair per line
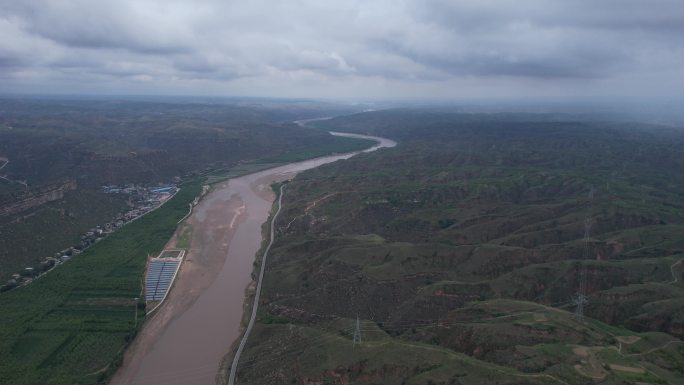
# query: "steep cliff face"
37, 198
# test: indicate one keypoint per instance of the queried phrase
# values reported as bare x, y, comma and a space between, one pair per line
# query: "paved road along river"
188, 337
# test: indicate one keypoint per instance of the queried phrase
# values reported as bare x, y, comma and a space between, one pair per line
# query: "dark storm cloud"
654, 16
544, 39
100, 25
314, 47
11, 62
564, 61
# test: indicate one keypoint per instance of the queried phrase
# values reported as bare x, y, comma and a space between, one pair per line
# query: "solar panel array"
159, 277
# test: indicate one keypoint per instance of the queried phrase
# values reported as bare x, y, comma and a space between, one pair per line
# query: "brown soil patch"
314, 203
170, 254
581, 351
591, 366
629, 369
628, 339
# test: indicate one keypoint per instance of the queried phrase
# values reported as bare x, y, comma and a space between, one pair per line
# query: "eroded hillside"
461, 249
49, 143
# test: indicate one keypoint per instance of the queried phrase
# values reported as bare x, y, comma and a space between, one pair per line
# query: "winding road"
6, 160
188, 339
257, 294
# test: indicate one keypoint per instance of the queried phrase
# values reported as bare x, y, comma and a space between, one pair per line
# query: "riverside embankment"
187, 338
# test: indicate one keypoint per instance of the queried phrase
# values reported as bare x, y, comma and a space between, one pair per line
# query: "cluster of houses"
141, 200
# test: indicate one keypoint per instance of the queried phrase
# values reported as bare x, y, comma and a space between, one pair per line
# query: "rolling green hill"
121, 141
110, 141
460, 251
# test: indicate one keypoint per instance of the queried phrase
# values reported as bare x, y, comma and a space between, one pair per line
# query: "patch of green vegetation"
72, 325
644, 378
469, 238
119, 141
184, 237
267, 318
329, 355
100, 142
611, 329
32, 235
338, 145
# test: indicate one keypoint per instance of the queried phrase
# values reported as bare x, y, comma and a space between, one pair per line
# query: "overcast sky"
345, 48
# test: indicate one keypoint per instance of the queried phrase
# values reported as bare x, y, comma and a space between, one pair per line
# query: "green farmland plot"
71, 324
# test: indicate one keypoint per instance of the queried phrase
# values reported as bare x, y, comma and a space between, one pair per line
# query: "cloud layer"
351, 48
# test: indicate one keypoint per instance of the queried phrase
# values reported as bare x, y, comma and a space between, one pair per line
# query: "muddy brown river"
186, 340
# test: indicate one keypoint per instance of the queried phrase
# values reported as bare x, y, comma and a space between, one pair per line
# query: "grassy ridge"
113, 141
469, 238
338, 145
548, 347
100, 142
55, 226
72, 324
68, 326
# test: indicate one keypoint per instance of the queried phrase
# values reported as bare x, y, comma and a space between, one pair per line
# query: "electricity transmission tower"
357, 332
581, 299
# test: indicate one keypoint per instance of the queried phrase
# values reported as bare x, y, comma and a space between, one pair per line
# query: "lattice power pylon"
357, 332
581, 299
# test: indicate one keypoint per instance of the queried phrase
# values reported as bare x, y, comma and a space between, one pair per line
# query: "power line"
335, 333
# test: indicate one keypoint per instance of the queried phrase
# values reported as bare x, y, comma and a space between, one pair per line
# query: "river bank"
185, 341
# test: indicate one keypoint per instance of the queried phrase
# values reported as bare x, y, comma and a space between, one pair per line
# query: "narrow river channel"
188, 337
